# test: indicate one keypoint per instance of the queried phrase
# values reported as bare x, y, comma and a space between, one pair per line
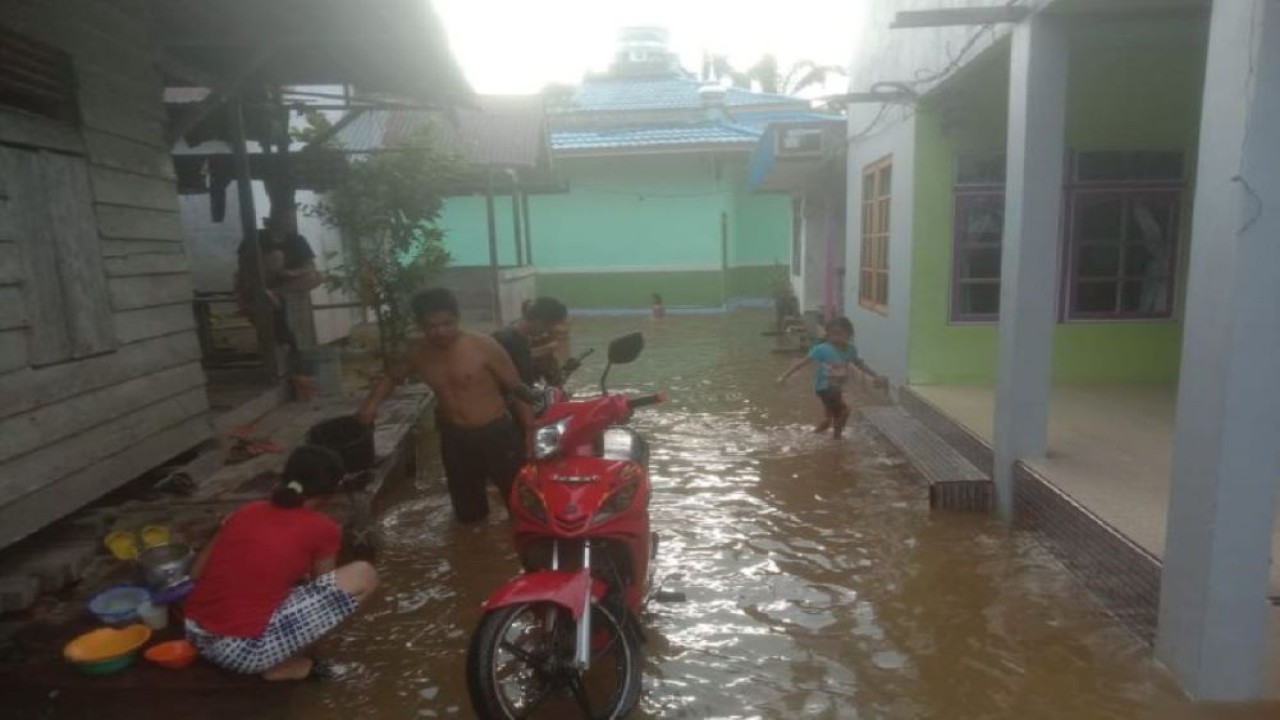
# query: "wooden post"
262, 306
515, 224
528, 233
493, 246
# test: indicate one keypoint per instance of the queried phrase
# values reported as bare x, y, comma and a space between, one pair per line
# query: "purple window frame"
965, 198
1070, 250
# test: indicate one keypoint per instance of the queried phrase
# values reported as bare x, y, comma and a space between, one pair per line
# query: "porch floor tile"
1110, 448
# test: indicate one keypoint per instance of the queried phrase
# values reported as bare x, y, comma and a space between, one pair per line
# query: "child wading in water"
833, 357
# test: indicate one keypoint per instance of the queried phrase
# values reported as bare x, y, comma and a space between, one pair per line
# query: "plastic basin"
106, 650
154, 535
118, 604
108, 666
175, 654
122, 544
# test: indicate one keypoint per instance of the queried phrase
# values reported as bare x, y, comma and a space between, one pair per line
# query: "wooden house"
100, 367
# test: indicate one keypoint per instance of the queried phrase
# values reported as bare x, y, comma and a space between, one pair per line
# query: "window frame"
1124, 190
873, 257
961, 197
961, 193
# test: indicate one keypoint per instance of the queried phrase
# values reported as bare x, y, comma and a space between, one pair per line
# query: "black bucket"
347, 436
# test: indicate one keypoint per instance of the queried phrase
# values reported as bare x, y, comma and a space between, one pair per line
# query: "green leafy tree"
387, 207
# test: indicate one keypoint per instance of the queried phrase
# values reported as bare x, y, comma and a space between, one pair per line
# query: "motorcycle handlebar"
646, 400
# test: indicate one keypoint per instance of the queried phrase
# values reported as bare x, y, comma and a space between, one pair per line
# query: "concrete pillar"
1029, 258
1226, 457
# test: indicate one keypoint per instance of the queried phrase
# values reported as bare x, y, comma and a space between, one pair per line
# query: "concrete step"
954, 482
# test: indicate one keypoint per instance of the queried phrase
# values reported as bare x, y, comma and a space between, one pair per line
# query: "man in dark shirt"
289, 267
539, 317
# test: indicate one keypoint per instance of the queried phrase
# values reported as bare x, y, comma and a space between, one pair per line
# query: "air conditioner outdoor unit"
799, 142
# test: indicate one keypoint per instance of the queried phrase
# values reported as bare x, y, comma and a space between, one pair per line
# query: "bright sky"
518, 46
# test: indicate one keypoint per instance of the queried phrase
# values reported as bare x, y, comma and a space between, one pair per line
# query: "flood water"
819, 584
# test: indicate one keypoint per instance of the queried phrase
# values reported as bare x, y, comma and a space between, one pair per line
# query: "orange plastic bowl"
175, 654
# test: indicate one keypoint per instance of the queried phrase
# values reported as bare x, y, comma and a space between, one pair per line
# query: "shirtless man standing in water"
471, 375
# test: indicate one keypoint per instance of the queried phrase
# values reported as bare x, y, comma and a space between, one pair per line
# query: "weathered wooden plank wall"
74, 429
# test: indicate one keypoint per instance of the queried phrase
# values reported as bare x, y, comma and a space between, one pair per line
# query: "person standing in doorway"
482, 436
289, 266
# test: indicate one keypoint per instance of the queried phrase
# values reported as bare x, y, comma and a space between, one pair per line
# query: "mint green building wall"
634, 225
760, 261
467, 230
1132, 87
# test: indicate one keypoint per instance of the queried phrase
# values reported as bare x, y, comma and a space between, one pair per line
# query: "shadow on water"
819, 584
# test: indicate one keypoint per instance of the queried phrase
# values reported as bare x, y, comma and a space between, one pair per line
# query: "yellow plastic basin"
155, 536
106, 643
122, 544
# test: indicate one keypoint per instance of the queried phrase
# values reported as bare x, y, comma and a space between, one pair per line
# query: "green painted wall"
467, 230
1130, 88
634, 225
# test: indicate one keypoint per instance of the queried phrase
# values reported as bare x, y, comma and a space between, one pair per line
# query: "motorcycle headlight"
616, 503
546, 442
531, 503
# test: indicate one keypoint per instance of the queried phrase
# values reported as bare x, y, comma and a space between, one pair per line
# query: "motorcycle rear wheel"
520, 666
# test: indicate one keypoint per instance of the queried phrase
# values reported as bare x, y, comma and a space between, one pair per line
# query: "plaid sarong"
309, 612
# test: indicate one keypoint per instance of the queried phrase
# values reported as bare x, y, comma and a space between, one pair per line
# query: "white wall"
883, 339
813, 257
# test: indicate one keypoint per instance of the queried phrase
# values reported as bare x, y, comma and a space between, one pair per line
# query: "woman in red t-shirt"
266, 586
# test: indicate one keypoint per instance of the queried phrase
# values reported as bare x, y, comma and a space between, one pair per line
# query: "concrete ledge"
974, 448
1124, 578
954, 482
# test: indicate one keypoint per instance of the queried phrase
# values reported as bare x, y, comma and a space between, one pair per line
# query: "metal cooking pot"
165, 566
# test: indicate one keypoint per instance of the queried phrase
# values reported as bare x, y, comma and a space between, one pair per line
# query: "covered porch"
1097, 345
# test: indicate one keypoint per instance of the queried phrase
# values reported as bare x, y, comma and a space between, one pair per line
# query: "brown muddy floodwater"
819, 583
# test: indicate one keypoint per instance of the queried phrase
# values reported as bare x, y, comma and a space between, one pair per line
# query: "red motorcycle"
563, 639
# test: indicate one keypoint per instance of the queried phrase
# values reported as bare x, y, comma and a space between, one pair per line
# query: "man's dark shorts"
475, 457
833, 400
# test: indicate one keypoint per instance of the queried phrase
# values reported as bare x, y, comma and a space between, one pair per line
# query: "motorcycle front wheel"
520, 666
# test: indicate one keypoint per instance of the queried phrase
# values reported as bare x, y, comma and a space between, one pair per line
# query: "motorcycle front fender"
571, 589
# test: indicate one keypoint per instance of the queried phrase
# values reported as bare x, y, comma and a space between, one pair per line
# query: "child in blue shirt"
832, 357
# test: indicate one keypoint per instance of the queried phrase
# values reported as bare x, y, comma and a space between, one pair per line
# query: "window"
36, 78
64, 299
1123, 235
61, 300
873, 287
978, 230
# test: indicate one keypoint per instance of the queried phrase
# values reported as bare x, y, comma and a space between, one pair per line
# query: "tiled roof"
760, 120
673, 92
710, 133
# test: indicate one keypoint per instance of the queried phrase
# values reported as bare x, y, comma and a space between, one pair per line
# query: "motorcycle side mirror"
626, 348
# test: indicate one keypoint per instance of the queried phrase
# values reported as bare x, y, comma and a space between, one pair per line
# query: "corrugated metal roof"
673, 92
498, 131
